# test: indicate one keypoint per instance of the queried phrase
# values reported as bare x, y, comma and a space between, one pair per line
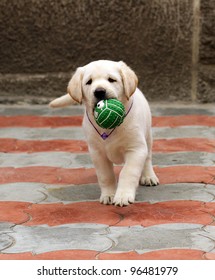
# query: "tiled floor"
49, 195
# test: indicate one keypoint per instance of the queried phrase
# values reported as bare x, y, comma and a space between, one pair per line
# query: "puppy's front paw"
149, 180
124, 198
106, 199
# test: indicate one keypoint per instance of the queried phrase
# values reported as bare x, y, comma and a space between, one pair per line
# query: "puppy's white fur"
130, 143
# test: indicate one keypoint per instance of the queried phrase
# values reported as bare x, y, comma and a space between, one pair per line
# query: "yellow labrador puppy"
130, 143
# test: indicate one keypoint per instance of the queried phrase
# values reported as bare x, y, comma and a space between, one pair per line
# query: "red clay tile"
81, 212
186, 174
55, 175
144, 214
210, 208
56, 255
79, 146
209, 256
49, 175
171, 254
183, 120
31, 146
184, 145
14, 212
40, 121
60, 121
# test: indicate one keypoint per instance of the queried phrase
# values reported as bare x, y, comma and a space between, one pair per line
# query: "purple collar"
104, 135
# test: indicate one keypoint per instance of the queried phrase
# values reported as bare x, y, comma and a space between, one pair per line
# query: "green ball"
109, 113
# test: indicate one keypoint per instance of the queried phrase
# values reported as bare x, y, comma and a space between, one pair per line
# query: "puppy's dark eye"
111, 80
89, 82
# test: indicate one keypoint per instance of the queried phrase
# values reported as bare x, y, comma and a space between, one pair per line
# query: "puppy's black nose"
100, 93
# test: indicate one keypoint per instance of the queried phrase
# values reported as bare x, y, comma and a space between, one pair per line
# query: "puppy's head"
100, 80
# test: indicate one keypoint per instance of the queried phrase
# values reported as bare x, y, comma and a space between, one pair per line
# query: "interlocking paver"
5, 239
142, 213
168, 212
56, 175
158, 237
167, 254
23, 192
60, 121
41, 239
209, 256
183, 174
14, 212
10, 145
26, 133
46, 193
49, 195
41, 110
186, 131
184, 144
76, 133
175, 109
81, 212
167, 192
58, 159
76, 160
158, 109
40, 121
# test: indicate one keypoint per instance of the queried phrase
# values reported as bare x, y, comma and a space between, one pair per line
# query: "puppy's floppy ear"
75, 85
129, 79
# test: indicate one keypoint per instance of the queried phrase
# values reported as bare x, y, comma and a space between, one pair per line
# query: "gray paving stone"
72, 160
180, 191
159, 237
40, 239
158, 109
76, 133
210, 189
5, 240
183, 132
57, 159
42, 193
184, 158
40, 110
69, 194
209, 232
176, 109
168, 192
25, 192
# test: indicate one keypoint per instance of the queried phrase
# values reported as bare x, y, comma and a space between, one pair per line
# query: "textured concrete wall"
206, 82
42, 42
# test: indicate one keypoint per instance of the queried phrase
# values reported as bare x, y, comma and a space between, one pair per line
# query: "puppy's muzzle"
100, 94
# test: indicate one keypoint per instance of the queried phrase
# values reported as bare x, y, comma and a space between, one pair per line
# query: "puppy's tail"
62, 101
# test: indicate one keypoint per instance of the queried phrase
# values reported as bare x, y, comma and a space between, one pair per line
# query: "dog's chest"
115, 154
115, 149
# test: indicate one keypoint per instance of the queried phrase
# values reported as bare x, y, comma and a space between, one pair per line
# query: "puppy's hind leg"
148, 176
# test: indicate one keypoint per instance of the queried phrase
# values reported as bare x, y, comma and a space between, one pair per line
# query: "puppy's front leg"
105, 175
129, 177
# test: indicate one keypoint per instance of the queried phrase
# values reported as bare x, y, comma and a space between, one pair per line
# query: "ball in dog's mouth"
108, 98
109, 113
